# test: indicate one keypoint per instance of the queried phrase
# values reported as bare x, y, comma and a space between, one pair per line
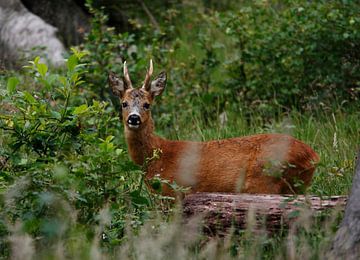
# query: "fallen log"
220, 211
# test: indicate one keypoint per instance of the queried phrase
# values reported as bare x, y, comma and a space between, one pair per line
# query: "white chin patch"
133, 126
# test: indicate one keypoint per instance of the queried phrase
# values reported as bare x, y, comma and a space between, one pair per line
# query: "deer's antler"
149, 72
127, 76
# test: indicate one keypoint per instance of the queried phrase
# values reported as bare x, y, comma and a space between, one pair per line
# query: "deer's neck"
141, 143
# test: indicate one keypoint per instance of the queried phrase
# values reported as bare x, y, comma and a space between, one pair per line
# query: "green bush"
264, 55
296, 53
59, 155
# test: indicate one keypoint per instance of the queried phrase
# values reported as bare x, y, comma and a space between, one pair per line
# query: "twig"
151, 17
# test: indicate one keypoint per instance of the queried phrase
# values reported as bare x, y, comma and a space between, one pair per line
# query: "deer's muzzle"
134, 121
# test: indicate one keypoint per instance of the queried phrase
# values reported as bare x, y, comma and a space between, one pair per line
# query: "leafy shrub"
266, 54
295, 53
59, 153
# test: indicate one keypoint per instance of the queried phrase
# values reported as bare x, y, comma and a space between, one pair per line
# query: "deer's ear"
158, 85
117, 84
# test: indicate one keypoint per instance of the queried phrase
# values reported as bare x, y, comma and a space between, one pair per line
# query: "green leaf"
109, 138
42, 69
79, 54
29, 98
119, 151
80, 109
75, 78
72, 62
63, 80
27, 124
138, 199
11, 85
36, 60
79, 82
56, 114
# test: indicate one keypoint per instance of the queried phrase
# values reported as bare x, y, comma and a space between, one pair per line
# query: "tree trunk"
275, 212
346, 244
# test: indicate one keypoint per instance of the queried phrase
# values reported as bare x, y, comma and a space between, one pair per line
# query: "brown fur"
264, 163
230, 165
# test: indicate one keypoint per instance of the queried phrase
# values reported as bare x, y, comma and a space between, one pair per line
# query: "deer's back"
265, 163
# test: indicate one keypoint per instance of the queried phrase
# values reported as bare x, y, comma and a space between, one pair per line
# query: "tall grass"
174, 239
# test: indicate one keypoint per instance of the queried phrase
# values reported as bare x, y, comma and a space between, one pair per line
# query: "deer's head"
136, 102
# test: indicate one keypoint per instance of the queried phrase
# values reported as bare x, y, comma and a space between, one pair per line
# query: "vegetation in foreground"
67, 186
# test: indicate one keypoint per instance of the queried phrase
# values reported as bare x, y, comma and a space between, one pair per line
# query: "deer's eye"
124, 104
146, 105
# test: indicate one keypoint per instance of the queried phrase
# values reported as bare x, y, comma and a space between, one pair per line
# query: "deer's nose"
134, 120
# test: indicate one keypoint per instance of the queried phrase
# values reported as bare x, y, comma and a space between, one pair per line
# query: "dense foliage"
66, 182
274, 54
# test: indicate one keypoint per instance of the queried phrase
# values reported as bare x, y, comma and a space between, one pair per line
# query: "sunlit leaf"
42, 69
72, 62
28, 97
80, 109
11, 85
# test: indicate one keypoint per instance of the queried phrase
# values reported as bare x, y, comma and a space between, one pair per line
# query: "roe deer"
263, 163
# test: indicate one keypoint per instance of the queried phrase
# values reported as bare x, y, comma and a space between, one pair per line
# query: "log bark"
219, 211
